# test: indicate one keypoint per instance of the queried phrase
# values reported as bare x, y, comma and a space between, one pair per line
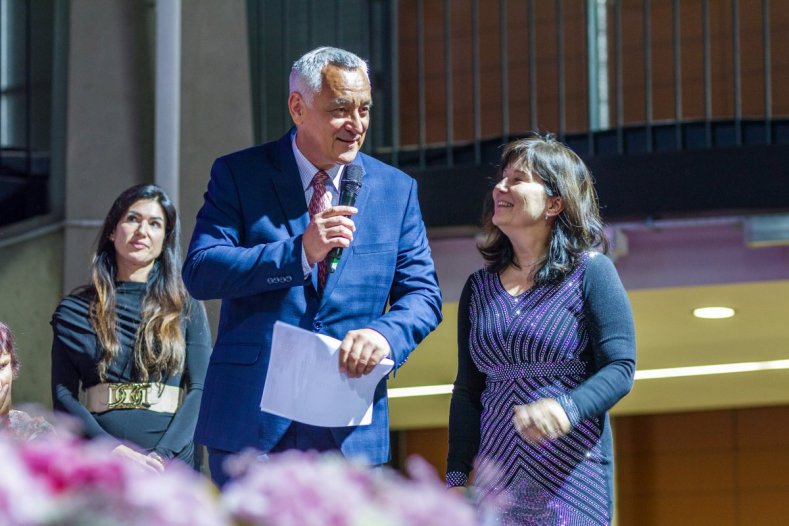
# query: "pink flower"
23, 499
62, 480
424, 500
177, 497
67, 464
296, 488
308, 489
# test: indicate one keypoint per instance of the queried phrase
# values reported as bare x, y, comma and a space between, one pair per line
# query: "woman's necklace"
528, 266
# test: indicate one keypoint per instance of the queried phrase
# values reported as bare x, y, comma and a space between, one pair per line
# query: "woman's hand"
146, 462
541, 420
461, 491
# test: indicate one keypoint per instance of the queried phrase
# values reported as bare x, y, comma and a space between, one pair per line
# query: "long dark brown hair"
577, 228
159, 349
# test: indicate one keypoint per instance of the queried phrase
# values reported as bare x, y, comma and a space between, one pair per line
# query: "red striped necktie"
317, 205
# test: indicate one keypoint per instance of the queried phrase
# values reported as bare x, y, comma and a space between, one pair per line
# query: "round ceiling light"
713, 313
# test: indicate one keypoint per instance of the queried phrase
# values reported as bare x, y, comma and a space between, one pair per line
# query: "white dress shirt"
307, 171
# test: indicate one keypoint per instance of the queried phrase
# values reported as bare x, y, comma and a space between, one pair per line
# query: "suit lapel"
287, 185
361, 200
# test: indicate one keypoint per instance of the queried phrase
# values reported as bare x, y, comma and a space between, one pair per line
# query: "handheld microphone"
350, 185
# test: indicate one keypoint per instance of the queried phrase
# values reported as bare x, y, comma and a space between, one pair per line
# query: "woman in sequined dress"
546, 346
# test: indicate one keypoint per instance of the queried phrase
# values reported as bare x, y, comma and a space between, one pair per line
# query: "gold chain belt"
151, 396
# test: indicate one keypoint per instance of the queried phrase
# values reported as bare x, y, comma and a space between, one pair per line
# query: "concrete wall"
31, 278
109, 146
216, 104
109, 127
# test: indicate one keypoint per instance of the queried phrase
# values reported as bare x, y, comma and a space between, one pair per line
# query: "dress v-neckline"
503, 289
514, 308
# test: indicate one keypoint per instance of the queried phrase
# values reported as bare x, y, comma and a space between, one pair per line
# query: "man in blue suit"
270, 218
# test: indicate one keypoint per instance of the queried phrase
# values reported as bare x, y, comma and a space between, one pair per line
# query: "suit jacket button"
317, 325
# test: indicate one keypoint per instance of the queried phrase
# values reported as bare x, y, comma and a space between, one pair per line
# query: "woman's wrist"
456, 479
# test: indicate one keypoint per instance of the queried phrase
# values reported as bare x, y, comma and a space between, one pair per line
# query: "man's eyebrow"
348, 102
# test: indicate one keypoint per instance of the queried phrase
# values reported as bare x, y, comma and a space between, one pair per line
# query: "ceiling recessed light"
713, 313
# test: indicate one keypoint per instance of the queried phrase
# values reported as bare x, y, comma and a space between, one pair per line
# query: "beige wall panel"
216, 104
109, 129
31, 278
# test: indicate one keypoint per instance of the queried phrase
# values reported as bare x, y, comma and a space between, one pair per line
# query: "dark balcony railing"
665, 100
468, 75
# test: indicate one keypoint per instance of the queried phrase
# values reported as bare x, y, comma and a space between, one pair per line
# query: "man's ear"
296, 107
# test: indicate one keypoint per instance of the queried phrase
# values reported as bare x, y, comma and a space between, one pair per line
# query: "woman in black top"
130, 350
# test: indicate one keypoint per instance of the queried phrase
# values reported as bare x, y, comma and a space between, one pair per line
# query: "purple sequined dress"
528, 347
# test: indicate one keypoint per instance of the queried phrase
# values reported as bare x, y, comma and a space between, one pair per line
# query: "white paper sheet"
304, 382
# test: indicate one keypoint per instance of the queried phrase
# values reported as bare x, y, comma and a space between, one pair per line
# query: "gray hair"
306, 74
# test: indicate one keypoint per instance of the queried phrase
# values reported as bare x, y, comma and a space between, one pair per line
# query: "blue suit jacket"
246, 250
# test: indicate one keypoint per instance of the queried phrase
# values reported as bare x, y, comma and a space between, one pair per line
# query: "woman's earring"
546, 216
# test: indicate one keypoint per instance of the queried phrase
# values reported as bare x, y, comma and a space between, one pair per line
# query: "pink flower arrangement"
64, 481
22, 497
307, 489
67, 482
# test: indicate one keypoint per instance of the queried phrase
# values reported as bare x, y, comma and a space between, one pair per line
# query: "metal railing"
452, 54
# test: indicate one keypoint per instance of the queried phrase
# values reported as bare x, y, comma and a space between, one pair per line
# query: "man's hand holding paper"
304, 381
361, 351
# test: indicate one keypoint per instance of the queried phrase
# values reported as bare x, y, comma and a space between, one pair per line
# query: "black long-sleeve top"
75, 355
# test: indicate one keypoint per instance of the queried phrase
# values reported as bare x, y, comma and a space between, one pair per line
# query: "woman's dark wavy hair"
7, 345
577, 228
159, 349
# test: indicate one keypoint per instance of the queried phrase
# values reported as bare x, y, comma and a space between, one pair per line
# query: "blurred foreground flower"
63, 481
307, 489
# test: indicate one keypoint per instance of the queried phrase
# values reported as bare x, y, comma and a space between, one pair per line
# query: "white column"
168, 96
597, 45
